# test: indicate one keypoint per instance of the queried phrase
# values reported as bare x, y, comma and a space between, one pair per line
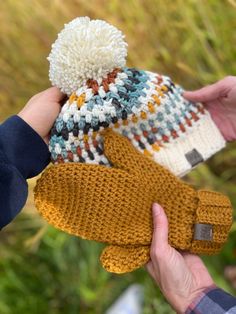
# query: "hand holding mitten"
117, 127
113, 205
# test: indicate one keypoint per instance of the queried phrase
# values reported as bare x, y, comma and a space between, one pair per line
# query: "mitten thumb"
123, 259
123, 155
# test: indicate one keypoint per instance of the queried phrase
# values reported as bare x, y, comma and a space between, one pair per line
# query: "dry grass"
193, 41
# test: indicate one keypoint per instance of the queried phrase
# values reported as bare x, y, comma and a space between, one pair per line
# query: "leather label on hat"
203, 232
194, 157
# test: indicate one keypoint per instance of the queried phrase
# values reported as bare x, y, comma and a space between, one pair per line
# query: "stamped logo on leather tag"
203, 232
194, 157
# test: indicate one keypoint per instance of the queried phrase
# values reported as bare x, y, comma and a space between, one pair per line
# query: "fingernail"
156, 209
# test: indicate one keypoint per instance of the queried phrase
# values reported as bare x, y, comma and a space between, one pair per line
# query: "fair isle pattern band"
145, 107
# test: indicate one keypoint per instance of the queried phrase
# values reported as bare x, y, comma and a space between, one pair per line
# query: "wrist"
196, 298
186, 301
27, 118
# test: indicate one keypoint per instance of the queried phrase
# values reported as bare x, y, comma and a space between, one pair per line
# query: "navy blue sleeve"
23, 155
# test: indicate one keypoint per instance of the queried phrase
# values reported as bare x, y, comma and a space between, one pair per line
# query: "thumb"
160, 226
53, 94
121, 152
205, 94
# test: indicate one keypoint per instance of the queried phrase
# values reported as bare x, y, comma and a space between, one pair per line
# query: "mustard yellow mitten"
113, 205
199, 221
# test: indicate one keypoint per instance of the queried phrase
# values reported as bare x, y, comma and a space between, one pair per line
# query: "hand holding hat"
88, 63
106, 145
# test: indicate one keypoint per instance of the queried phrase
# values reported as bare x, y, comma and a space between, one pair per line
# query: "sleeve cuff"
14, 191
23, 147
191, 308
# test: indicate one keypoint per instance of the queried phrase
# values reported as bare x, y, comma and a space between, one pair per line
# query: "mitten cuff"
213, 220
183, 154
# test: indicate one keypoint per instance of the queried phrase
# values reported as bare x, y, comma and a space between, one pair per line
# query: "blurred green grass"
193, 41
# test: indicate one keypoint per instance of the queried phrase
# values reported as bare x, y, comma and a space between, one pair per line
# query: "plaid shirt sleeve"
213, 300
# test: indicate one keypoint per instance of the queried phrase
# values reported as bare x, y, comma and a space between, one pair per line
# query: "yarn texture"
85, 49
113, 205
120, 142
87, 62
143, 106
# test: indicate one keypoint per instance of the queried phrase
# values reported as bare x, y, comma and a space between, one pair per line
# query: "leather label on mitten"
203, 232
194, 157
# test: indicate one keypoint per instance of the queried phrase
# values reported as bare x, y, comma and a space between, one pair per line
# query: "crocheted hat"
105, 193
87, 62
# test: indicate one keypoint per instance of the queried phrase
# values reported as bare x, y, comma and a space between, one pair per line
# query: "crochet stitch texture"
104, 191
145, 107
113, 205
87, 62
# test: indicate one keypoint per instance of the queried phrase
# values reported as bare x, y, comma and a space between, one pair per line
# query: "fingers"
204, 94
42, 110
160, 233
212, 92
179, 282
53, 94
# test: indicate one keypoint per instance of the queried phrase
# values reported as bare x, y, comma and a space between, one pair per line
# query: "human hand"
42, 110
114, 205
181, 276
220, 100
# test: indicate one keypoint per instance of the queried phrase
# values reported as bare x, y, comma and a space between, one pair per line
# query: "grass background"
43, 270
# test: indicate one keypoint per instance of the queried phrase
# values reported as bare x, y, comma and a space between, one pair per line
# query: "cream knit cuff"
181, 155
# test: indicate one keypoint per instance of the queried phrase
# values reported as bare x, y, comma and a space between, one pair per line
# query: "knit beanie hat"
105, 192
87, 62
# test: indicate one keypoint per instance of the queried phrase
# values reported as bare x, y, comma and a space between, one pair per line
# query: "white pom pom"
85, 49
